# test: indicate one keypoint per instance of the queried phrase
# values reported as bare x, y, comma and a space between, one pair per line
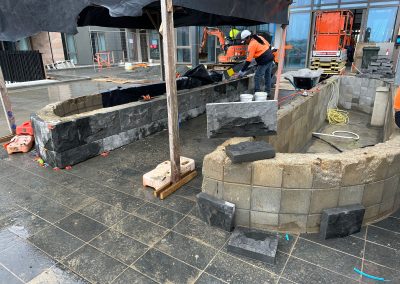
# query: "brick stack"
379, 68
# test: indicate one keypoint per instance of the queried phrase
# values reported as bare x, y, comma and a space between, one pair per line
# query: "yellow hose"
337, 116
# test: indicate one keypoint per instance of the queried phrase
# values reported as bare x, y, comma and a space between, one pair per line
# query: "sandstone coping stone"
295, 201
238, 194
351, 195
266, 199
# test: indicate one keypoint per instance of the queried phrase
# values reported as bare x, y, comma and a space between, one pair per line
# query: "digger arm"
211, 31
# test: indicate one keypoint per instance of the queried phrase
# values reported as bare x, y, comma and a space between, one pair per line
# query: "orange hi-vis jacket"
397, 100
257, 49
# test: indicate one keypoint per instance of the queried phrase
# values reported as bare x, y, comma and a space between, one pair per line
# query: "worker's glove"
240, 74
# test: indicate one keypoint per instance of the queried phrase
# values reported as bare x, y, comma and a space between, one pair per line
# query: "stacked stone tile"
379, 68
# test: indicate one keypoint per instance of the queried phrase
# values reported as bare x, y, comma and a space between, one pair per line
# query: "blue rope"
369, 276
287, 237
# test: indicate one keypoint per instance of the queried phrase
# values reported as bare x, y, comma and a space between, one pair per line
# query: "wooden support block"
174, 187
6, 138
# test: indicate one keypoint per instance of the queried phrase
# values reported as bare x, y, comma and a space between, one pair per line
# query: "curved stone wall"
289, 192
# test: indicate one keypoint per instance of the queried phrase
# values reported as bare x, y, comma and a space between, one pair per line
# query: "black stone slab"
254, 244
250, 151
216, 212
341, 221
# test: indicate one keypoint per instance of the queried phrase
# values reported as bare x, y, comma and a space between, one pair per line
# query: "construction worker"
397, 107
259, 49
234, 32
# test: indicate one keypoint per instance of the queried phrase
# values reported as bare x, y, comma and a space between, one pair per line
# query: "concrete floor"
97, 224
359, 123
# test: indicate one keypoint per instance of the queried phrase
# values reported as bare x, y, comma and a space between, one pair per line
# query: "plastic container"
245, 98
25, 128
260, 96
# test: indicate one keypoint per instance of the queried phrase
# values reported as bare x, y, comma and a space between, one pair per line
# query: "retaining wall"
75, 130
289, 192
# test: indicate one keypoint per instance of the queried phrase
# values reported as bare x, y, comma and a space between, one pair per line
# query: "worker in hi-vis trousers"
259, 49
397, 107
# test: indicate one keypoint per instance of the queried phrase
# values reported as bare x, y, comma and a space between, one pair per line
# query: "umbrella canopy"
22, 18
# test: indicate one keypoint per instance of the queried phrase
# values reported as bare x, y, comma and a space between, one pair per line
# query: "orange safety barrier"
103, 59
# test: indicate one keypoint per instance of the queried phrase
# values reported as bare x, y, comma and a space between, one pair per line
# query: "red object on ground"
25, 128
105, 154
56, 169
68, 168
20, 143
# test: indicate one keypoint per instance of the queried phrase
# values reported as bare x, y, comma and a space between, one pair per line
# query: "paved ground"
97, 224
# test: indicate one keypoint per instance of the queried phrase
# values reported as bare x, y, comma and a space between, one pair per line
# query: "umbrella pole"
167, 11
281, 61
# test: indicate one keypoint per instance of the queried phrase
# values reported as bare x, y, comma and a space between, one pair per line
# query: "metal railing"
22, 66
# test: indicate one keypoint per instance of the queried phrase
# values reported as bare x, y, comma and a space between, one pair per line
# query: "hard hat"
245, 34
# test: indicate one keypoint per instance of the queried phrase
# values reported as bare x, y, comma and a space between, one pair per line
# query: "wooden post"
281, 61
6, 104
167, 11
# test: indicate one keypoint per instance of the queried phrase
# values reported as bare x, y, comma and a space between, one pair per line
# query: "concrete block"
313, 223
293, 222
267, 173
324, 199
297, 176
371, 213
341, 221
373, 193
250, 151
237, 173
376, 167
98, 126
213, 165
327, 173
254, 244
135, 116
263, 220
389, 194
295, 201
213, 187
216, 212
380, 105
240, 119
242, 218
351, 195
238, 194
266, 199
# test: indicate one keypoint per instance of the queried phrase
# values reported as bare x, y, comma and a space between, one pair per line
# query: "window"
182, 44
154, 45
69, 48
301, 3
23, 44
380, 24
297, 36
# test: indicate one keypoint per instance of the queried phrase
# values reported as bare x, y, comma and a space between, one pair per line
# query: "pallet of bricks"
333, 66
378, 68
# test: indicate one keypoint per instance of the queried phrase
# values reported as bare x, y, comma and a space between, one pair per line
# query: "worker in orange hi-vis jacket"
259, 49
397, 107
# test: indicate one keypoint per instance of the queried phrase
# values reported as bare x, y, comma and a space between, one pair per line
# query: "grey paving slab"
302, 272
56, 242
48, 209
165, 269
81, 226
391, 224
7, 277
7, 239
176, 203
198, 230
23, 223
188, 191
119, 246
71, 198
94, 265
206, 278
393, 275
383, 237
103, 213
233, 270
58, 274
187, 250
133, 277
25, 260
382, 255
327, 258
159, 215
141, 230
353, 246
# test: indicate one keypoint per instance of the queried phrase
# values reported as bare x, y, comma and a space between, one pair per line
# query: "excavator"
234, 51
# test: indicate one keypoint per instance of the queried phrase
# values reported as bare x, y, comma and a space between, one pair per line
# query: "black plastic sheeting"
22, 18
193, 78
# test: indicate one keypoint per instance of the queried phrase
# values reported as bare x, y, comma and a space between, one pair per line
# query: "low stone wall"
72, 131
289, 192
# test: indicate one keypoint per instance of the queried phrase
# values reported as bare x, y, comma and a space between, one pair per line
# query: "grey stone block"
250, 151
241, 119
216, 212
98, 126
254, 244
135, 116
341, 221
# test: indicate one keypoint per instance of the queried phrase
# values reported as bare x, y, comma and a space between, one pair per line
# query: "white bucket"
260, 96
245, 98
